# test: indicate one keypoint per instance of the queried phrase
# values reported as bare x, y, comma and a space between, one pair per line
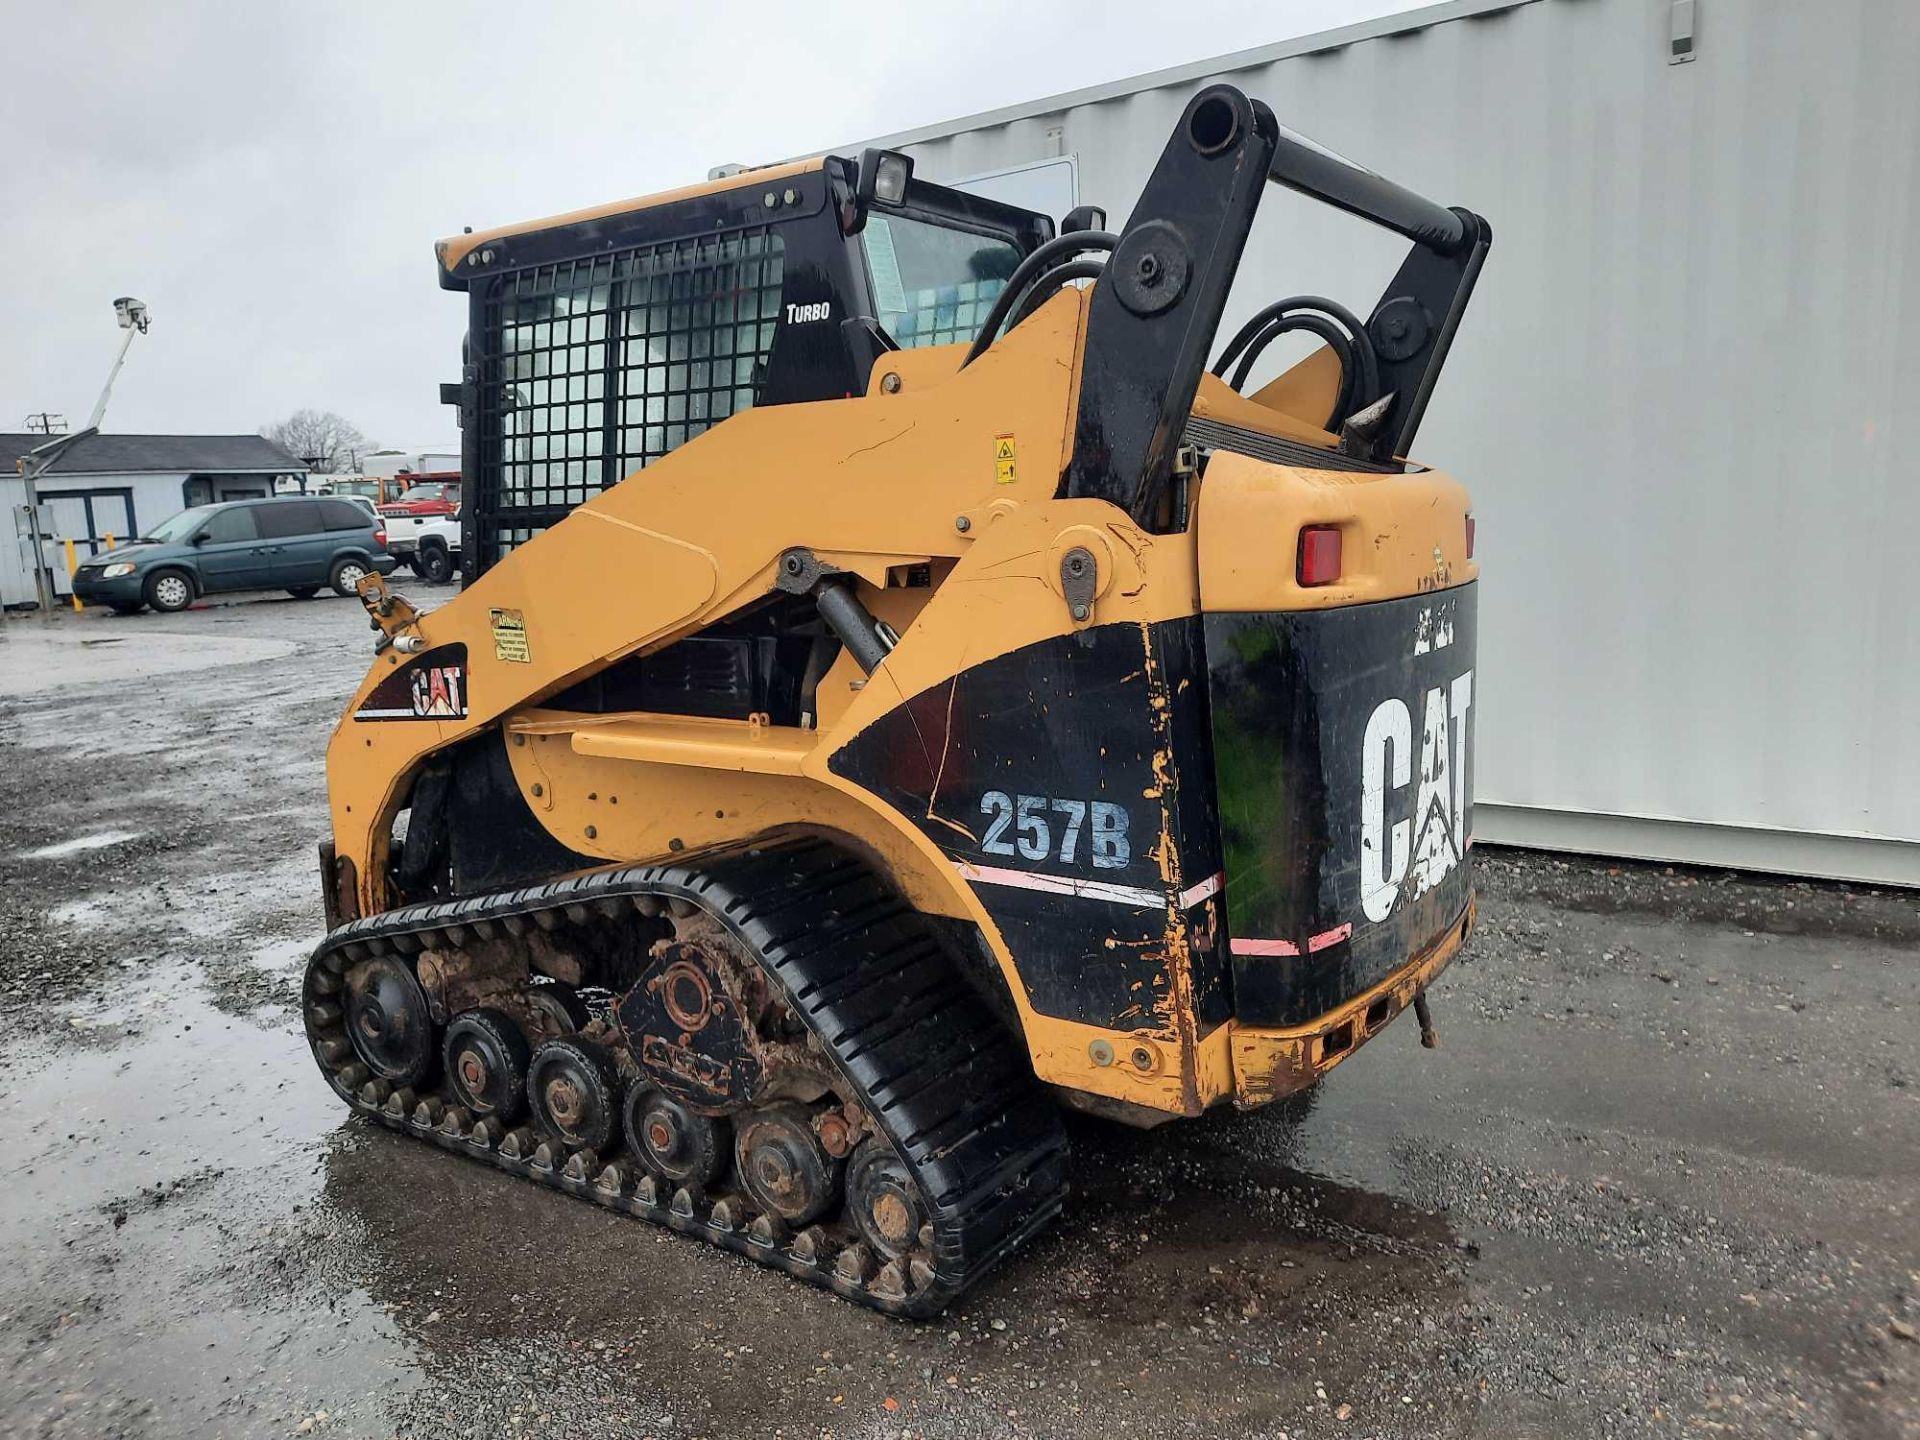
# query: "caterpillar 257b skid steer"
899, 690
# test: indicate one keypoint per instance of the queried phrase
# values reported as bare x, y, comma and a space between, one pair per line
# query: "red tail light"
380, 537
1469, 537
1319, 555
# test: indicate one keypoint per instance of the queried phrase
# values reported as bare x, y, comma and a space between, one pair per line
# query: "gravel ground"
1658, 1180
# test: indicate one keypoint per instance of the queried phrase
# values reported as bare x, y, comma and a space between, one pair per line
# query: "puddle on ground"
284, 957
82, 1127
55, 657
149, 1173
218, 908
80, 844
79, 913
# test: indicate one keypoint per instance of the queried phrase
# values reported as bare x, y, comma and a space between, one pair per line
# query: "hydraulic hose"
1337, 340
1044, 257
1049, 284
1363, 386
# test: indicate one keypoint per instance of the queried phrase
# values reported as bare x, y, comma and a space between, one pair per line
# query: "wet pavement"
1659, 1179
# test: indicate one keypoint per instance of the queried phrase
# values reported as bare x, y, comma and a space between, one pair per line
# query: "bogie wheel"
388, 1021
784, 1166
169, 591
558, 1008
347, 574
574, 1092
672, 1141
884, 1202
487, 1060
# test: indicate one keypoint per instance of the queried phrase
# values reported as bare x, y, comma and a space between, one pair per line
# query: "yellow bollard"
72, 565
110, 539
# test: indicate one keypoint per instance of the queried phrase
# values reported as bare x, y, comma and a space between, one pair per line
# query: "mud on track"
1660, 1178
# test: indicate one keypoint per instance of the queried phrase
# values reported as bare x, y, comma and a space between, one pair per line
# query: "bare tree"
330, 444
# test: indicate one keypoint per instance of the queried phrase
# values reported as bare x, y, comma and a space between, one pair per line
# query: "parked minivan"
290, 543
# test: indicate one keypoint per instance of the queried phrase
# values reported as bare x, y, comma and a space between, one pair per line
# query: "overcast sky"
270, 178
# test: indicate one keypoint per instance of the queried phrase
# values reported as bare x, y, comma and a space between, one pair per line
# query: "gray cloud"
271, 179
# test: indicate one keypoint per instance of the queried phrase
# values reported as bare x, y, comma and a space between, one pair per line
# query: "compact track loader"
899, 688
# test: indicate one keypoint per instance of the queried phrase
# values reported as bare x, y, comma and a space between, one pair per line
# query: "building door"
86, 517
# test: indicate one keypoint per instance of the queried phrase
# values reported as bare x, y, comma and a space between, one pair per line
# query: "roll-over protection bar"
1155, 311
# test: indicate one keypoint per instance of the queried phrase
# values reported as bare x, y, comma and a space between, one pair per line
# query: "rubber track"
949, 1086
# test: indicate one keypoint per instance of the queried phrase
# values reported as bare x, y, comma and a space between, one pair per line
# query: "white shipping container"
1683, 396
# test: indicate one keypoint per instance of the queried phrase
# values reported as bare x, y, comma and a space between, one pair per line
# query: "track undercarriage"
763, 1047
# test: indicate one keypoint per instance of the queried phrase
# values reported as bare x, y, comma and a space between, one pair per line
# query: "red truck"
436, 493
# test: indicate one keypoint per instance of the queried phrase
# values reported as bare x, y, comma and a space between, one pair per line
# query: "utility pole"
32, 466
45, 422
134, 319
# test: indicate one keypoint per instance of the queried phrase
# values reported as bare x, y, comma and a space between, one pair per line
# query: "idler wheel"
884, 1202
672, 1141
388, 1021
574, 1093
784, 1166
557, 1007
487, 1059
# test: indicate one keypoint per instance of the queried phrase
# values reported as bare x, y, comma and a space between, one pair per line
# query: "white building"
101, 486
412, 462
1683, 396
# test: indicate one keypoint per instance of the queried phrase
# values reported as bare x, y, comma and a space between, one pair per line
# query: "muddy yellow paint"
876, 485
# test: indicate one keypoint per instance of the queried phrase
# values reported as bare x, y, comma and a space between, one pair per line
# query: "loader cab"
601, 341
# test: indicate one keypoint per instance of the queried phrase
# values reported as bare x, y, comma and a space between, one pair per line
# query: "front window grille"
598, 367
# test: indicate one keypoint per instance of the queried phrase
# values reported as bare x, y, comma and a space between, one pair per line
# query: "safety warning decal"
432, 686
510, 637
1003, 471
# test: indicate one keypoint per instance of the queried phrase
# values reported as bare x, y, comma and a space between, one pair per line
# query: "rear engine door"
1344, 765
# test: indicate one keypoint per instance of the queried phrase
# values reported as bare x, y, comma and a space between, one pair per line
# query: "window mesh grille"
597, 367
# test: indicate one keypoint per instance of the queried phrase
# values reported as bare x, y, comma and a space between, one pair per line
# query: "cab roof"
455, 248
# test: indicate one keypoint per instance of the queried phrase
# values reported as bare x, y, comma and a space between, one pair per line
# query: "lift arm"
1155, 311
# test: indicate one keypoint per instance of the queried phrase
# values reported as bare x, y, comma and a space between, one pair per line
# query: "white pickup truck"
430, 544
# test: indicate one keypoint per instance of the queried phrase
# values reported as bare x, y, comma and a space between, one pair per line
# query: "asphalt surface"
1660, 1178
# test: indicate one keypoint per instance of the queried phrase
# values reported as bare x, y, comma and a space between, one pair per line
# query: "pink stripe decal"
1315, 943
1264, 947
1194, 894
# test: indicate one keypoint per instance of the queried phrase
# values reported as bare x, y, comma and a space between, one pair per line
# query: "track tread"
950, 1088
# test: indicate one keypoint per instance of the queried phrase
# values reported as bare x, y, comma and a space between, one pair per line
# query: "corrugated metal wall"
1687, 397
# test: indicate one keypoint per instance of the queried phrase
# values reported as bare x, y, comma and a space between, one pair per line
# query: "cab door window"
227, 527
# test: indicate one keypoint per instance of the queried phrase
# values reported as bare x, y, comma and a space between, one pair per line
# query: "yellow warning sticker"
1003, 471
510, 637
